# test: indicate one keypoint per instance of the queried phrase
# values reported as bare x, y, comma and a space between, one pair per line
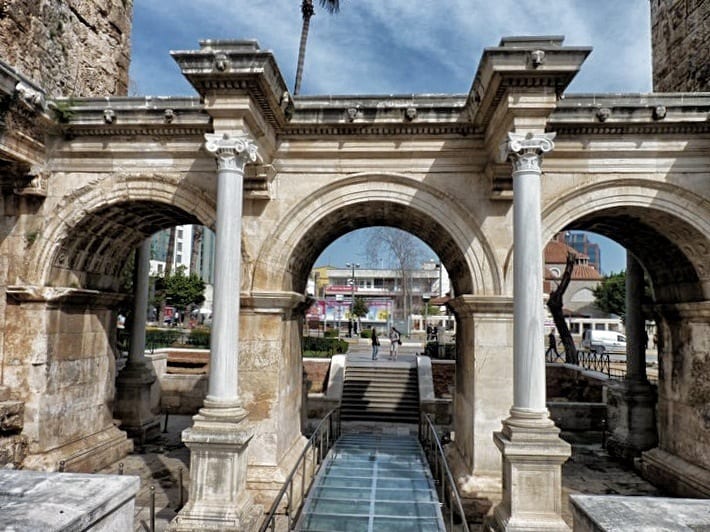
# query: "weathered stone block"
11, 416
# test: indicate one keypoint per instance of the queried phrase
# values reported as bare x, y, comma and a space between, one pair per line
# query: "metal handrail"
320, 442
594, 361
446, 487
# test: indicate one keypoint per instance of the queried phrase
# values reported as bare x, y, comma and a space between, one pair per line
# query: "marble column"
532, 452
631, 404
133, 406
218, 440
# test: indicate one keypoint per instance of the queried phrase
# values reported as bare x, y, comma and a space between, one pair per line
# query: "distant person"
350, 328
551, 345
375, 343
428, 333
395, 342
644, 341
435, 334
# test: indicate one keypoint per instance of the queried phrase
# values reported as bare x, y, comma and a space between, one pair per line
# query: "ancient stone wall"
69, 47
680, 34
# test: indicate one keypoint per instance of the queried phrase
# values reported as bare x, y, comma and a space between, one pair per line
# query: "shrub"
199, 336
157, 338
320, 346
331, 333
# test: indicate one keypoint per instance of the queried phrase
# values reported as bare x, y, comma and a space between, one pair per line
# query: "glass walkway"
373, 482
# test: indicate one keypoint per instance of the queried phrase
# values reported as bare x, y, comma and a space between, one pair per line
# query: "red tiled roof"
586, 272
556, 252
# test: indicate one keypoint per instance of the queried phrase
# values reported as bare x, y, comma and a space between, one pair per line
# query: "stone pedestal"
133, 406
34, 500
218, 499
533, 454
631, 416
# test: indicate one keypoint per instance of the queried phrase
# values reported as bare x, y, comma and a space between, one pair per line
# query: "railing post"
289, 505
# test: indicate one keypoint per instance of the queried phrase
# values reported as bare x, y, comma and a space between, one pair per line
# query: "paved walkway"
590, 470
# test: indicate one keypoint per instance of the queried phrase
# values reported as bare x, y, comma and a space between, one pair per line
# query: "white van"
604, 342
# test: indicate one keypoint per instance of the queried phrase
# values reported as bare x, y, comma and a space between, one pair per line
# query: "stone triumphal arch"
484, 178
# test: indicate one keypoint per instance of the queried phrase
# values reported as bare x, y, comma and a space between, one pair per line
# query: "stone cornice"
611, 114
471, 304
220, 67
521, 64
271, 302
63, 294
387, 116
133, 116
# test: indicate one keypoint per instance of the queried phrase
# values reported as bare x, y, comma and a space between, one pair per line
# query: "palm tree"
332, 6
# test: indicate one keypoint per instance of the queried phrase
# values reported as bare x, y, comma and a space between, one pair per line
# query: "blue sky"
396, 47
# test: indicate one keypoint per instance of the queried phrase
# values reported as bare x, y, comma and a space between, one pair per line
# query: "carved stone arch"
387, 199
665, 226
85, 219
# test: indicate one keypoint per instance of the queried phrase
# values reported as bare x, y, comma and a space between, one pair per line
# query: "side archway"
666, 228
96, 227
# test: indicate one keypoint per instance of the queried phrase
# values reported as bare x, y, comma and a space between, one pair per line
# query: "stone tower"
69, 47
680, 36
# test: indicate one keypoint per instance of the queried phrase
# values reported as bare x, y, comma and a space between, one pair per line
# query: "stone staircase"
380, 391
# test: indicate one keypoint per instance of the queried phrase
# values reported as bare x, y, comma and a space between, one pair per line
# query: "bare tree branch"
555, 304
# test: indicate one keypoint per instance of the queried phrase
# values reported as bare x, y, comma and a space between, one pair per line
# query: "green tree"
610, 294
332, 6
360, 308
180, 290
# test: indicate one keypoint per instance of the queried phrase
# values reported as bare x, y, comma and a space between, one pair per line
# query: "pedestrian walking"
551, 345
375, 343
395, 342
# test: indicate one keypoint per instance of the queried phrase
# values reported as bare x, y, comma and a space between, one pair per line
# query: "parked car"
600, 342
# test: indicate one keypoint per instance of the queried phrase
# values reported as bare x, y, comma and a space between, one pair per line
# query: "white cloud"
397, 46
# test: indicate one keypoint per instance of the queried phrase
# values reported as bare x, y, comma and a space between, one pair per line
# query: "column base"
139, 418
532, 454
218, 499
86, 455
631, 415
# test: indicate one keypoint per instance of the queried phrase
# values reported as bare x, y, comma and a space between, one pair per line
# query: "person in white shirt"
395, 341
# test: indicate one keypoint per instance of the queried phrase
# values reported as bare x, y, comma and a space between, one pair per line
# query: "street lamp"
352, 267
425, 299
440, 267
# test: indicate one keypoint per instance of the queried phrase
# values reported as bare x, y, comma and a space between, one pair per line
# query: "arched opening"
667, 235
77, 263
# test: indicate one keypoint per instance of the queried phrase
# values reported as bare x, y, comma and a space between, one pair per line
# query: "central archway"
366, 200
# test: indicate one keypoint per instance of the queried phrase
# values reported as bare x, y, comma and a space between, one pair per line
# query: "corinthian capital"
232, 151
525, 151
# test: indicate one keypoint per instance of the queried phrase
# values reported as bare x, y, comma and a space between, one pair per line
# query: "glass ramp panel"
373, 482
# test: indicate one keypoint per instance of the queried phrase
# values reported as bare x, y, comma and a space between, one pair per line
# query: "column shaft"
232, 154
136, 352
635, 323
528, 324
528, 327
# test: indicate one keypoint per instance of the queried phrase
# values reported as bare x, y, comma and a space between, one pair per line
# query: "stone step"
377, 393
